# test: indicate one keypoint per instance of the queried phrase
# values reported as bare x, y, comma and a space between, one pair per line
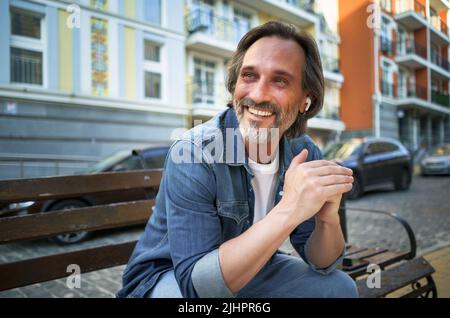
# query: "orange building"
395, 61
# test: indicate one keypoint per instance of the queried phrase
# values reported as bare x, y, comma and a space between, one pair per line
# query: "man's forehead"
283, 54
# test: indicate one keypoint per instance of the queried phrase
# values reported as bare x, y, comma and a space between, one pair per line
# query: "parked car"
374, 161
436, 161
127, 160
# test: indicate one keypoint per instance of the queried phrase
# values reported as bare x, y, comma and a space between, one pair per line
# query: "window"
25, 23
204, 81
241, 24
26, 66
152, 11
152, 69
27, 48
152, 85
381, 147
151, 51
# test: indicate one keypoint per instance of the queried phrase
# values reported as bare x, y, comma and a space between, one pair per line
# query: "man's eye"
248, 75
280, 81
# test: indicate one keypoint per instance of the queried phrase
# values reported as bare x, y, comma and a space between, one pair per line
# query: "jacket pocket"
238, 211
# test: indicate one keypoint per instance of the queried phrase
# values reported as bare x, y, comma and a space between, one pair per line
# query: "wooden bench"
48, 224
399, 268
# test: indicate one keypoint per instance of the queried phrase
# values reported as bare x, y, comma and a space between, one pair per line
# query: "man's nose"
260, 92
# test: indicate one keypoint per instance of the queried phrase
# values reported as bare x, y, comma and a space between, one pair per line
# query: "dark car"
374, 161
127, 160
436, 161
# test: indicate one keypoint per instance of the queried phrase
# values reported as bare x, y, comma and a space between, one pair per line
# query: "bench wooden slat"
72, 186
51, 267
356, 260
52, 223
352, 249
396, 277
383, 259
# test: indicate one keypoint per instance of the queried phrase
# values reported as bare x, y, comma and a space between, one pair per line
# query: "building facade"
213, 29
395, 59
83, 79
80, 80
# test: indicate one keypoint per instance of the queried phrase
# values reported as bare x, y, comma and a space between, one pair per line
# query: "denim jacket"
203, 202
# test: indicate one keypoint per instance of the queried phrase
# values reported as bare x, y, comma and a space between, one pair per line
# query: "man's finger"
298, 159
331, 170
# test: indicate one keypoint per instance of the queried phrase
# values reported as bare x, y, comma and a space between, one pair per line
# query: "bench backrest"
48, 224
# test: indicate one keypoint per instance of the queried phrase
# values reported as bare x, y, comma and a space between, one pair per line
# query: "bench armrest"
403, 222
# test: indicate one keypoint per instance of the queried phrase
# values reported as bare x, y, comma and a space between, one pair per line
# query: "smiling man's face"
268, 91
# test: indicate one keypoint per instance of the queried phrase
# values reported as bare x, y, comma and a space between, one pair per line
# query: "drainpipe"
377, 100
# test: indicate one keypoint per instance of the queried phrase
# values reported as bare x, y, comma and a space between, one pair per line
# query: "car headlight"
20, 205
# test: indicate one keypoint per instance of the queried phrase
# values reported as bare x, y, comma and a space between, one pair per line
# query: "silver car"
437, 161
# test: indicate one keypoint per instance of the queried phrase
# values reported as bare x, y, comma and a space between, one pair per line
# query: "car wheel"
357, 188
70, 238
403, 181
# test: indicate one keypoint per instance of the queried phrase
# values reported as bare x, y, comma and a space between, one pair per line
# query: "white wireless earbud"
308, 103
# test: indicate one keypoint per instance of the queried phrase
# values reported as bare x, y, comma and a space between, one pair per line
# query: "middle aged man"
235, 188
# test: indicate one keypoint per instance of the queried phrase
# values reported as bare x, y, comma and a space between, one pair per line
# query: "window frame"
154, 67
31, 44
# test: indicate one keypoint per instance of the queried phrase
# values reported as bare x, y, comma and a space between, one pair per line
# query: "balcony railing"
220, 28
441, 98
387, 88
330, 64
329, 111
207, 93
386, 5
440, 61
411, 47
412, 91
411, 5
387, 45
307, 5
26, 69
439, 24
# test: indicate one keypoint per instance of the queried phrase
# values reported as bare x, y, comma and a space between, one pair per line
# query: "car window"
441, 151
381, 147
342, 150
155, 158
130, 163
388, 147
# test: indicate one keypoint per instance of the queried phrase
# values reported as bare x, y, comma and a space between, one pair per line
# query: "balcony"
412, 91
411, 54
411, 14
298, 12
439, 31
331, 69
388, 89
328, 118
213, 34
440, 66
440, 98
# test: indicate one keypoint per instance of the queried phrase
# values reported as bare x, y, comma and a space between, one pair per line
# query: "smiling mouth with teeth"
262, 113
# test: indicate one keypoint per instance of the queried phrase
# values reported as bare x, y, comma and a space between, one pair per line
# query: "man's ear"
305, 105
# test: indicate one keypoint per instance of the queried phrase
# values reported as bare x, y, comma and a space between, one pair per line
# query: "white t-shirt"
264, 183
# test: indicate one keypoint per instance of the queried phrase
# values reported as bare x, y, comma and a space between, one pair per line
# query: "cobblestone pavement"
426, 207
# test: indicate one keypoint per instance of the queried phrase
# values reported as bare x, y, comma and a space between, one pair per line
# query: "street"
425, 206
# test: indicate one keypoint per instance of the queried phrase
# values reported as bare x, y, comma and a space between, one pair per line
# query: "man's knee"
342, 285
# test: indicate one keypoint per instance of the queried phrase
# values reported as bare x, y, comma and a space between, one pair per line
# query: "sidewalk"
440, 260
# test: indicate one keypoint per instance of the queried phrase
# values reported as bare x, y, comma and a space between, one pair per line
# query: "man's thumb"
298, 159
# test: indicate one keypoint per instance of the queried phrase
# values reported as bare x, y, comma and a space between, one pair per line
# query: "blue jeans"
283, 276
